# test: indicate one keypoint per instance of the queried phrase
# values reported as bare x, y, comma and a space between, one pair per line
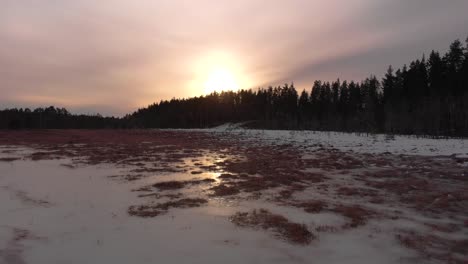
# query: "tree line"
52, 117
429, 96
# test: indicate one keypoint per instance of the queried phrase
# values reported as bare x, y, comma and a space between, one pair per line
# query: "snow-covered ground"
59, 209
356, 142
80, 216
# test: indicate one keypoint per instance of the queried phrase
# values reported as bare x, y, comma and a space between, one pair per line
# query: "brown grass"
281, 226
224, 190
8, 159
132, 177
169, 185
356, 214
162, 208
355, 191
43, 155
327, 229
435, 247
445, 228
403, 185
312, 206
172, 185
140, 189
182, 203
144, 211
227, 176
284, 195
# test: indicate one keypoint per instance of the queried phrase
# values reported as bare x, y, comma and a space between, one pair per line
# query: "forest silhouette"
427, 97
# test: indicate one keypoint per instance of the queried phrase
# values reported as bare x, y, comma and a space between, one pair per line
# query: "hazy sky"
115, 56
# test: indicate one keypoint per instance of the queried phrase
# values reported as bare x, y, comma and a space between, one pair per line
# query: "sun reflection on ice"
213, 175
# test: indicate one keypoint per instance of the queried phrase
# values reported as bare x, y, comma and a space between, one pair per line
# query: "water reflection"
204, 165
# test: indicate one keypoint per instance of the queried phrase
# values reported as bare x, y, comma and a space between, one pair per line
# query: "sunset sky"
115, 56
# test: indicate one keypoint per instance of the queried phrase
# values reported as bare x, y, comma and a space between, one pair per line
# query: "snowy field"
231, 195
356, 142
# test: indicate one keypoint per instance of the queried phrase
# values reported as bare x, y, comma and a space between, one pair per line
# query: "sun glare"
218, 71
220, 80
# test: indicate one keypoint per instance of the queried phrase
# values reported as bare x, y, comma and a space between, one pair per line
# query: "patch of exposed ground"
278, 224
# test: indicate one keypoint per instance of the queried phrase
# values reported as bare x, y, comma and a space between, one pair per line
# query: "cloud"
115, 57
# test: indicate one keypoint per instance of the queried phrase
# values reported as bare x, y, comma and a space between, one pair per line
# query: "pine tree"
454, 60
436, 75
388, 84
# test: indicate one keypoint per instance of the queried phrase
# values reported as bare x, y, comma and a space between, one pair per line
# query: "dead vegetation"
183, 203
9, 159
153, 210
224, 190
430, 246
356, 191
227, 176
173, 185
327, 229
311, 206
356, 214
423, 185
169, 185
145, 211
278, 224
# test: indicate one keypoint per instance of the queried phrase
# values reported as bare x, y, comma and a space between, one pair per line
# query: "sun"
216, 71
220, 79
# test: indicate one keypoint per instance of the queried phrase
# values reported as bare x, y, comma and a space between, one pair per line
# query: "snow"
85, 221
356, 142
79, 214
